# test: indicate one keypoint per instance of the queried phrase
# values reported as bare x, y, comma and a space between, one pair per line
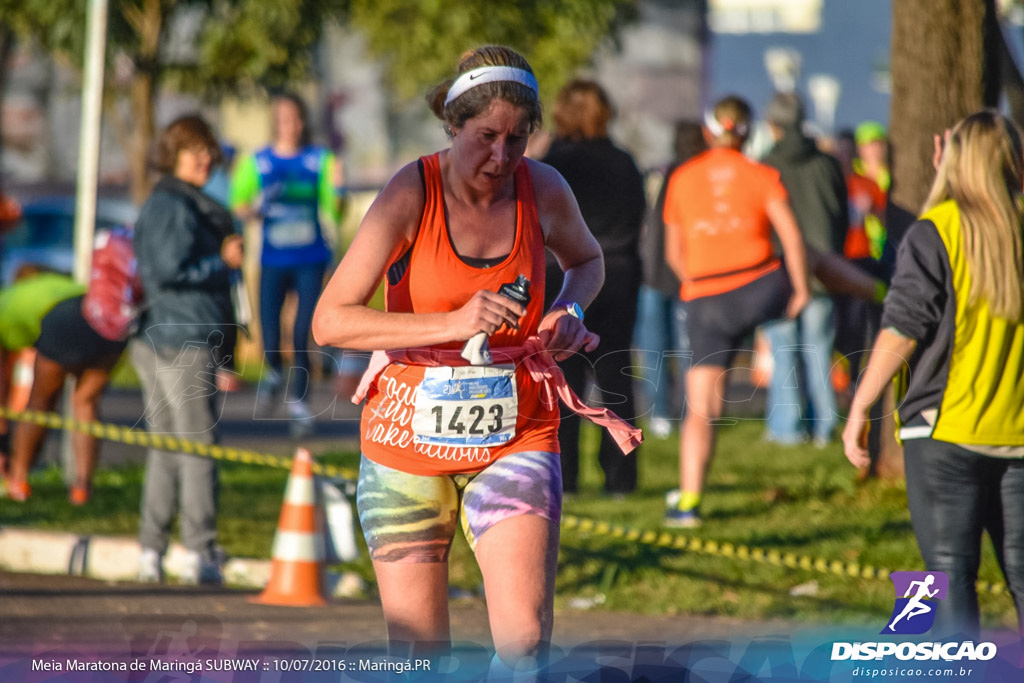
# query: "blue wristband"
572, 307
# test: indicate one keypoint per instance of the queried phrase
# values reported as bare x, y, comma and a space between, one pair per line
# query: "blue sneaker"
682, 519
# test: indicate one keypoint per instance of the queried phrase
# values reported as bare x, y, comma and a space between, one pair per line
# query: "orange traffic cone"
296, 573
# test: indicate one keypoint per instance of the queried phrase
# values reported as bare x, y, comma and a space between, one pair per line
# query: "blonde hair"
982, 170
582, 111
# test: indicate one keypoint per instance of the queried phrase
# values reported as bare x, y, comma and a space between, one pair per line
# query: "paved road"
39, 612
61, 621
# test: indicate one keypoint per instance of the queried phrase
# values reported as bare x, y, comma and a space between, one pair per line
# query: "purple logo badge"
916, 596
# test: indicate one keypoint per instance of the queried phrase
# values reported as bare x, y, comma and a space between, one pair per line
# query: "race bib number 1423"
468, 406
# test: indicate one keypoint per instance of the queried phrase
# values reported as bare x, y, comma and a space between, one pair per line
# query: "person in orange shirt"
872, 162
10, 213
443, 440
866, 198
720, 210
857, 319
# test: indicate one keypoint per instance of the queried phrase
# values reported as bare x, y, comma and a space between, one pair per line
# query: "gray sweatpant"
180, 393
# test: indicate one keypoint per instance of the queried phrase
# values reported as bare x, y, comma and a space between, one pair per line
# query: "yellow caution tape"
681, 542
139, 437
663, 539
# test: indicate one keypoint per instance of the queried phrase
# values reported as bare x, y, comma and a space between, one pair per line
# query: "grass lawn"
801, 499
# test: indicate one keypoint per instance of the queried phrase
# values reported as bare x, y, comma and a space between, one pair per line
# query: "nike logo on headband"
490, 74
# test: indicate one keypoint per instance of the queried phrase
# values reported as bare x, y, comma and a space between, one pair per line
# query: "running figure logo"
916, 596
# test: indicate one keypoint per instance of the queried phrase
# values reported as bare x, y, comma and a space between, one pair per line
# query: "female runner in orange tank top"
447, 231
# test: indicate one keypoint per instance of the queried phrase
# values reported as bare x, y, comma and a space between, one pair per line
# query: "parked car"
45, 234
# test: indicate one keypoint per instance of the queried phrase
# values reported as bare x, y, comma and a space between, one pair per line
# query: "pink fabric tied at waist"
535, 359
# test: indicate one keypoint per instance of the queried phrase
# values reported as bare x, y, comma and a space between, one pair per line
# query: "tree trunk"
6, 47
945, 65
1012, 81
148, 22
143, 131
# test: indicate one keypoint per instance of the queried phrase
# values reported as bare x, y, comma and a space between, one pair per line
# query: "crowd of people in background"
650, 341
696, 259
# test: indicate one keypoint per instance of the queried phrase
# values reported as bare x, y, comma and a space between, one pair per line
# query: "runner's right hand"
797, 303
486, 312
231, 251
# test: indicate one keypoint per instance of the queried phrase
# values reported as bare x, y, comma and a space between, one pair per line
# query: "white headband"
718, 130
490, 74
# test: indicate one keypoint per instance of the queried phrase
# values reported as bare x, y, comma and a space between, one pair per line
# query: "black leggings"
955, 494
609, 367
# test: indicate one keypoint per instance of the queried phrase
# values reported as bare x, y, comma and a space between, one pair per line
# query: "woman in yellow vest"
954, 325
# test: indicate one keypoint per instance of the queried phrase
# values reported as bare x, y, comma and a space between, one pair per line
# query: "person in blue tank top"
290, 185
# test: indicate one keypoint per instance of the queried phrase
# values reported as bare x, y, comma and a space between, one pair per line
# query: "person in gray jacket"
817, 193
186, 248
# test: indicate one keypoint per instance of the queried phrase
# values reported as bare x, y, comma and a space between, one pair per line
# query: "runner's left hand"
563, 335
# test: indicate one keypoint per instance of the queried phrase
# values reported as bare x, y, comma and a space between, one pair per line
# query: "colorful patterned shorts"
412, 518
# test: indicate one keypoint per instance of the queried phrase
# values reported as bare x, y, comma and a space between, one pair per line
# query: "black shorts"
717, 325
67, 339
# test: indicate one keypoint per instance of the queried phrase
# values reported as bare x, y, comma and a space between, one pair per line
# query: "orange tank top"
866, 198
718, 201
436, 279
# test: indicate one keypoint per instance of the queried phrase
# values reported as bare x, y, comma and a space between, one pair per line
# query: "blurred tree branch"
421, 41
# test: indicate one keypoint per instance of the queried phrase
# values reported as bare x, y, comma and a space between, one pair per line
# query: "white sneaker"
299, 410
660, 427
268, 395
198, 570
151, 569
302, 422
266, 403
